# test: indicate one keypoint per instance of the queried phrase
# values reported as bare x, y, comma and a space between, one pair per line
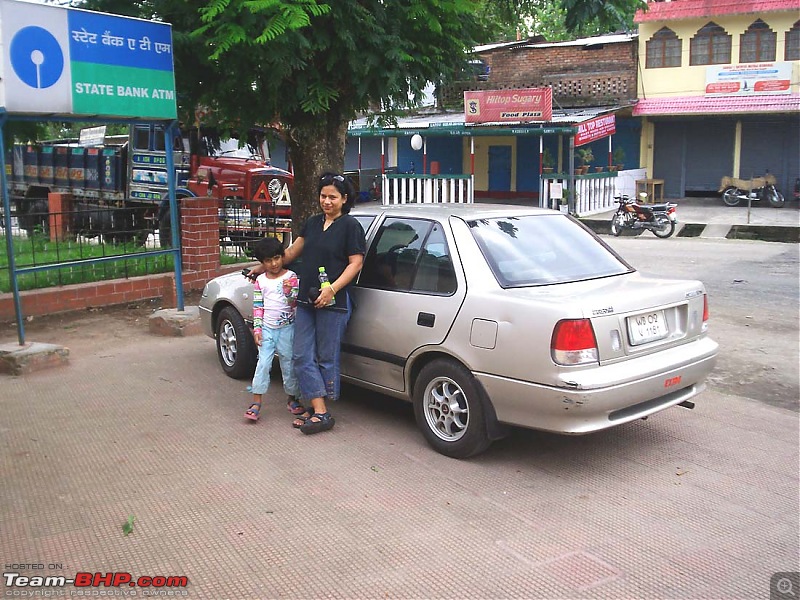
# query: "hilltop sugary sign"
68, 61
508, 106
594, 129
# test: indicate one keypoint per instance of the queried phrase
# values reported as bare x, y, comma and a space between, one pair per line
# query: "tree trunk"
315, 146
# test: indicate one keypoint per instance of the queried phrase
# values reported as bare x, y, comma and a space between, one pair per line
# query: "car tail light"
573, 342
704, 328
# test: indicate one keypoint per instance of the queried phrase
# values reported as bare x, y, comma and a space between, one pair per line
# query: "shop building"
719, 92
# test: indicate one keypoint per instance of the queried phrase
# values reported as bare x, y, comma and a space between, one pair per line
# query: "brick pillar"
200, 235
60, 209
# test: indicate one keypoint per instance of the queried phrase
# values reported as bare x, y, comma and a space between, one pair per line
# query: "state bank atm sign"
76, 62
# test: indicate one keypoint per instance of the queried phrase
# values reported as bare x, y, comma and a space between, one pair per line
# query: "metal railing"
594, 192
80, 245
94, 243
241, 225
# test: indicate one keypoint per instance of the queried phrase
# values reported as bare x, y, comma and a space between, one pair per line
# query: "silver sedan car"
485, 316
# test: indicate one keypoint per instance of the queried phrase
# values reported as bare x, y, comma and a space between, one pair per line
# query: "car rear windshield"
543, 249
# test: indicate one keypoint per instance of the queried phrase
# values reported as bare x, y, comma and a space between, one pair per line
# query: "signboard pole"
12, 266
541, 153
169, 136
571, 161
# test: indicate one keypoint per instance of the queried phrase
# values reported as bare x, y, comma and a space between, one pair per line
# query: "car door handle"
426, 319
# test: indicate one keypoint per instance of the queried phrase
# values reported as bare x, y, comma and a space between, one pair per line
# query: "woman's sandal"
253, 412
300, 420
295, 407
324, 422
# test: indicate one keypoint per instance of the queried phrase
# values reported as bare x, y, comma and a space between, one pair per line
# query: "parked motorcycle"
658, 218
751, 190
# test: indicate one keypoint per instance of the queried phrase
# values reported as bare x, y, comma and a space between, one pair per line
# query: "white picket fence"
594, 192
439, 189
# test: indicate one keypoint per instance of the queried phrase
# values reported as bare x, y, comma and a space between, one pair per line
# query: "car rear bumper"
583, 409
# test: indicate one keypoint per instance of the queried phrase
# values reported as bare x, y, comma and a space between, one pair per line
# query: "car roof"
442, 211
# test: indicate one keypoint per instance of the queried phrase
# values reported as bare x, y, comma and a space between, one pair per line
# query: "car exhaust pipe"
686, 404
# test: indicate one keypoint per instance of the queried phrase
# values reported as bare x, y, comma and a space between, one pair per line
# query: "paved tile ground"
688, 504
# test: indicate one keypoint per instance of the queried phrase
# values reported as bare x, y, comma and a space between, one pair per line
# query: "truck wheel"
449, 409
236, 348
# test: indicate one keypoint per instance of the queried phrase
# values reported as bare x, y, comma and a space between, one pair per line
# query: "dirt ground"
82, 328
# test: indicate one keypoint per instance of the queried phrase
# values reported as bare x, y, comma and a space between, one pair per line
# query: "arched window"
663, 49
757, 43
710, 46
793, 43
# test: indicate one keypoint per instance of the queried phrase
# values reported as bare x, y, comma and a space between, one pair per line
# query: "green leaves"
127, 526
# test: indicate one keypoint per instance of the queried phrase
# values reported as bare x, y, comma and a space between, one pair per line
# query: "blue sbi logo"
36, 57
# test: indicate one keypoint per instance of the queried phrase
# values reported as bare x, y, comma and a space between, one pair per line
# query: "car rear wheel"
236, 348
449, 409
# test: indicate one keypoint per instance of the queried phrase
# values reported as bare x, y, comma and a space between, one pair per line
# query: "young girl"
274, 306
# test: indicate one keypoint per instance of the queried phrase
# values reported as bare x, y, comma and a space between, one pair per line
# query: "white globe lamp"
416, 141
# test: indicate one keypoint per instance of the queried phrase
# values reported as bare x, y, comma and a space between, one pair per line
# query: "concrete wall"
580, 75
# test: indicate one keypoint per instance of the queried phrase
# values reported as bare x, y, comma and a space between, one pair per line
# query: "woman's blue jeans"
318, 337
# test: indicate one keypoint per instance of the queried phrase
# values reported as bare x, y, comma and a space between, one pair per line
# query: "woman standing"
334, 241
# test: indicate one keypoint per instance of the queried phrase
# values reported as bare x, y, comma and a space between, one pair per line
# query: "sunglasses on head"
338, 178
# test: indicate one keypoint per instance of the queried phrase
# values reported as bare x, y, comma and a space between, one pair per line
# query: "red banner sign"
594, 129
508, 106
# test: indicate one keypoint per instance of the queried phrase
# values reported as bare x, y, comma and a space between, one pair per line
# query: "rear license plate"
647, 327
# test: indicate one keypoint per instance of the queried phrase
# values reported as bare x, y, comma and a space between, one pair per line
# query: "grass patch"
40, 250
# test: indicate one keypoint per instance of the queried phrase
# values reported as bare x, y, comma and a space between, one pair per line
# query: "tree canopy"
309, 67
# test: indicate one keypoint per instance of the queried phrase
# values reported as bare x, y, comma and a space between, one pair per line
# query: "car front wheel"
236, 348
449, 409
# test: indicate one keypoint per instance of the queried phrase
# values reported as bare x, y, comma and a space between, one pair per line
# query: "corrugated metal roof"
597, 40
433, 121
700, 105
692, 9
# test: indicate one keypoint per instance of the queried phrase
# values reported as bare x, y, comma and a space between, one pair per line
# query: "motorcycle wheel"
668, 227
731, 196
775, 198
617, 224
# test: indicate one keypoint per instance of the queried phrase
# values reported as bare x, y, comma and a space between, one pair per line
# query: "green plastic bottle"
325, 282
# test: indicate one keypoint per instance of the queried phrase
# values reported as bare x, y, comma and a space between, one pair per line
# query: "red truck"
129, 173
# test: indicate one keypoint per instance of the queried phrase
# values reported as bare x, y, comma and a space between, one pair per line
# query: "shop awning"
701, 105
452, 123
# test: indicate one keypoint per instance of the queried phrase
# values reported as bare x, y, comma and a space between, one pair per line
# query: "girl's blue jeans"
275, 341
317, 346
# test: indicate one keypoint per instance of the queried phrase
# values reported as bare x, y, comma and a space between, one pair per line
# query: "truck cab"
254, 197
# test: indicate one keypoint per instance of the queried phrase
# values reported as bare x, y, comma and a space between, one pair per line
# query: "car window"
392, 257
543, 249
435, 272
365, 220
